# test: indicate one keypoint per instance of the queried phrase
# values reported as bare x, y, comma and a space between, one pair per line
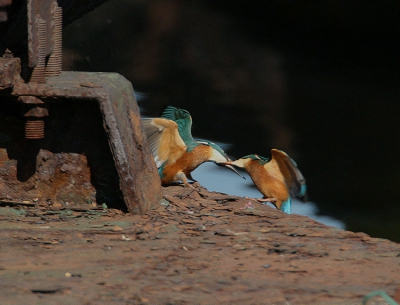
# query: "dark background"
317, 79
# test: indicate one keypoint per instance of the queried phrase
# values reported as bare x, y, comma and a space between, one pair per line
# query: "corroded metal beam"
139, 180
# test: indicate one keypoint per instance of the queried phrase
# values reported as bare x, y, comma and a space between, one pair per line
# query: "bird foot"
266, 200
248, 205
261, 199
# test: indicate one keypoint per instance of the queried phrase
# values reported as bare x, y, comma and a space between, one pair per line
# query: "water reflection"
223, 180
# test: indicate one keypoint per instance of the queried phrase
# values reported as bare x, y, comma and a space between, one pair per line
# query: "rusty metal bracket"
40, 88
139, 180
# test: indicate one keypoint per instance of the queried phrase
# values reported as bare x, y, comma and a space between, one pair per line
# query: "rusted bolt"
34, 126
54, 64
38, 73
34, 129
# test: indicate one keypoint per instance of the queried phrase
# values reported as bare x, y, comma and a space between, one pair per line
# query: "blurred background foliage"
317, 79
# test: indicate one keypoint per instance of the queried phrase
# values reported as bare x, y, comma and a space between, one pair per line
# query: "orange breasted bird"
277, 179
175, 151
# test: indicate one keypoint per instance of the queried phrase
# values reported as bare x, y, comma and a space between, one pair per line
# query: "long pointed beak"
228, 165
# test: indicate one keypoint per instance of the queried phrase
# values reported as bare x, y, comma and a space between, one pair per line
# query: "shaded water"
319, 82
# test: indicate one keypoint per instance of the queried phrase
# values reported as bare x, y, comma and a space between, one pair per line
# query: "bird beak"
228, 165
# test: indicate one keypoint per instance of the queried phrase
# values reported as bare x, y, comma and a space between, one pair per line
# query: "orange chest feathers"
269, 181
187, 163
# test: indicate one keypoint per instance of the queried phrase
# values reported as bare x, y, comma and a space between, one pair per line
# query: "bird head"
218, 156
244, 161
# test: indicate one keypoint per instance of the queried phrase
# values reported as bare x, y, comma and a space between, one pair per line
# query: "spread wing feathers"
164, 140
292, 175
183, 119
172, 113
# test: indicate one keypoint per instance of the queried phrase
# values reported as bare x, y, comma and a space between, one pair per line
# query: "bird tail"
287, 206
303, 193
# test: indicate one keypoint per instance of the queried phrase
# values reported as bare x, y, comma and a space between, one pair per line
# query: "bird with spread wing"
175, 151
277, 179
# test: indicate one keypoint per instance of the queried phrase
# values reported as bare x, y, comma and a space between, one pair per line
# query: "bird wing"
183, 119
164, 140
171, 113
292, 175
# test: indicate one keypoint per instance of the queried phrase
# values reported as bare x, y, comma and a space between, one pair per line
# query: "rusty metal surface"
139, 180
10, 69
28, 99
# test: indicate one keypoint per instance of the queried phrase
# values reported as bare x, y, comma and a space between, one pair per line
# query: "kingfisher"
175, 151
183, 119
277, 179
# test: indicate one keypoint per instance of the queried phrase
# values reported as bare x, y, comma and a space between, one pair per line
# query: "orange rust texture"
73, 163
58, 178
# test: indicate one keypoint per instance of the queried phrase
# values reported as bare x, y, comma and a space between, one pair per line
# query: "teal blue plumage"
184, 121
287, 206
